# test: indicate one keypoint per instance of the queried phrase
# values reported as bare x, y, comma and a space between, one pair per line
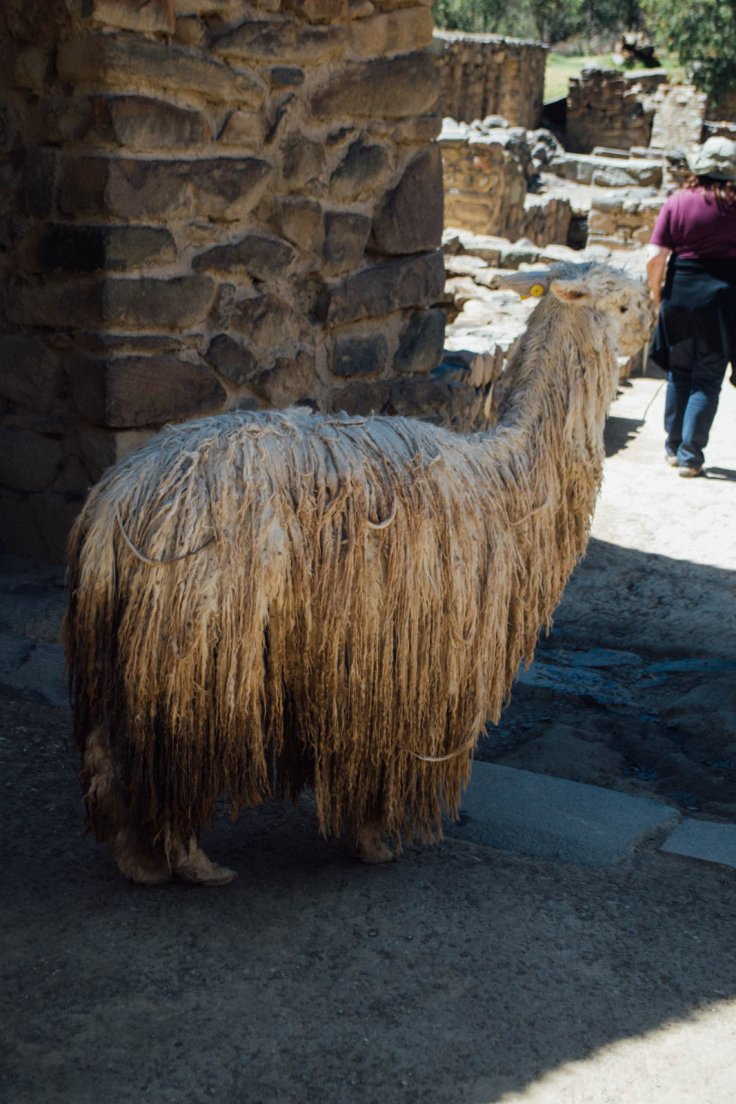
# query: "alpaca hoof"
195, 867
144, 870
374, 856
370, 848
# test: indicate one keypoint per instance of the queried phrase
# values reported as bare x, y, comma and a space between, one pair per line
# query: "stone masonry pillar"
206, 204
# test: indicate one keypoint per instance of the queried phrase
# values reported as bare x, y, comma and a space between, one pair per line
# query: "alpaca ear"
532, 284
570, 291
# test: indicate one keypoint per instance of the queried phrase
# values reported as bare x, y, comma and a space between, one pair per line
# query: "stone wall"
606, 107
487, 170
244, 213
679, 115
485, 75
623, 219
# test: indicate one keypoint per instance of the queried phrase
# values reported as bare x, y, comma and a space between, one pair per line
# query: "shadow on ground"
619, 432
459, 974
635, 688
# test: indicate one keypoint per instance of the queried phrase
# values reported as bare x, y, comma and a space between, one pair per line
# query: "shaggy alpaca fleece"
263, 602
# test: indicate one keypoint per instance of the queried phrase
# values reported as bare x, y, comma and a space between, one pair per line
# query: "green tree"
555, 20
486, 16
703, 35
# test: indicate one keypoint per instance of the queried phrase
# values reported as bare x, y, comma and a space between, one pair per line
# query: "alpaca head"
616, 298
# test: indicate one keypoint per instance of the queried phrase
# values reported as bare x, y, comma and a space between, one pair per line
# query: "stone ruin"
244, 208
490, 173
518, 197
607, 107
482, 75
239, 209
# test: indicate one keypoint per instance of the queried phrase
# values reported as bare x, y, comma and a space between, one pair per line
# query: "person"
695, 337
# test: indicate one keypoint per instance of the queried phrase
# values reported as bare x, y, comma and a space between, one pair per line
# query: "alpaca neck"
558, 387
544, 460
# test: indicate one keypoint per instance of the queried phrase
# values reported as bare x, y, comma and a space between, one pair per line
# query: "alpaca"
263, 602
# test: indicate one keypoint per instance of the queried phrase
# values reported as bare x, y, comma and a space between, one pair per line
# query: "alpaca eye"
623, 309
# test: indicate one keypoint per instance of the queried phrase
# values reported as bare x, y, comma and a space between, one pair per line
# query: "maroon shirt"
694, 227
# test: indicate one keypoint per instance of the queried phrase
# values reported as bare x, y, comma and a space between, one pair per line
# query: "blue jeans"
691, 403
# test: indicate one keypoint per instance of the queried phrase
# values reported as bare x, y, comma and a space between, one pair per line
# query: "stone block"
416, 281
362, 397
286, 76
535, 814
640, 173
144, 15
360, 170
74, 248
56, 422
30, 373
28, 461
601, 223
224, 304
232, 359
31, 68
411, 216
302, 160
382, 88
280, 40
142, 122
38, 525
318, 11
140, 391
266, 320
299, 219
212, 7
290, 380
642, 235
64, 305
346, 236
420, 397
359, 355
190, 31
244, 128
416, 131
421, 343
399, 32
100, 448
225, 188
180, 303
708, 841
177, 303
108, 60
261, 255
65, 119
39, 175
10, 131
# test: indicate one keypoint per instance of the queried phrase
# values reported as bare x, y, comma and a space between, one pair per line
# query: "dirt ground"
462, 974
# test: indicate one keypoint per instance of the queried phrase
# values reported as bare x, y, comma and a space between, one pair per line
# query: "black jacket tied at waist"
698, 296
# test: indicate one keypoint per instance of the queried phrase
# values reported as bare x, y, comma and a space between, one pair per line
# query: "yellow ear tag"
536, 291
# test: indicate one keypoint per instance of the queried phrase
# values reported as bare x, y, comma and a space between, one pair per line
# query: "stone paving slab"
547, 817
707, 840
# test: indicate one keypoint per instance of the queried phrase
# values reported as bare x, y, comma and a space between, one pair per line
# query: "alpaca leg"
111, 819
137, 859
190, 863
138, 863
369, 845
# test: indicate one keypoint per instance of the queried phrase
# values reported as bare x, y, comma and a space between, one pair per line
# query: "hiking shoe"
689, 473
670, 459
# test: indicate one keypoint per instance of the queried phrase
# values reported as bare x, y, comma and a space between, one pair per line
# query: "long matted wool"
262, 602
